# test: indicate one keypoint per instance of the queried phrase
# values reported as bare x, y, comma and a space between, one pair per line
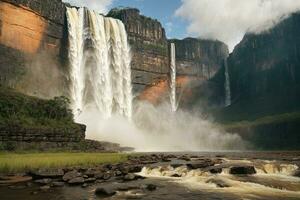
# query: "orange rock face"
25, 30
156, 93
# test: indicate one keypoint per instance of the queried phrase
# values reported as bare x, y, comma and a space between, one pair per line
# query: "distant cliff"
150, 62
197, 57
264, 74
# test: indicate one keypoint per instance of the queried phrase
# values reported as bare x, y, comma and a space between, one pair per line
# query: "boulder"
105, 191
45, 188
76, 181
151, 187
44, 181
47, 173
242, 170
218, 182
297, 173
58, 184
71, 175
129, 177
90, 180
200, 164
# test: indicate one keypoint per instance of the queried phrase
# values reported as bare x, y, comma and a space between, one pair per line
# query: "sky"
224, 20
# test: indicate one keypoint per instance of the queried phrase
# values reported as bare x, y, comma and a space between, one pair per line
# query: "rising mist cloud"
229, 20
100, 6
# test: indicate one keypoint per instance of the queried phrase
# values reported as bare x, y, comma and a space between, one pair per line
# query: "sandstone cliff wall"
149, 45
32, 40
197, 57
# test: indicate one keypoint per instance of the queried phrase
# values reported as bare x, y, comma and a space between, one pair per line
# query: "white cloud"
100, 6
229, 20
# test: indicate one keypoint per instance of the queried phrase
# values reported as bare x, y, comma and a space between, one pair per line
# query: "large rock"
71, 175
242, 170
105, 191
200, 164
47, 173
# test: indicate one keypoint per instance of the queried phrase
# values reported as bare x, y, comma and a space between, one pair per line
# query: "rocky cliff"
32, 36
264, 69
197, 57
149, 45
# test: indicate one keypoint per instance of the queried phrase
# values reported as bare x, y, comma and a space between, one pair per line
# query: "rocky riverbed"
231, 175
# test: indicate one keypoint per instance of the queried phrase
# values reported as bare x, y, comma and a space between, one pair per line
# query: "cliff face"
27, 30
149, 45
264, 73
196, 57
266, 66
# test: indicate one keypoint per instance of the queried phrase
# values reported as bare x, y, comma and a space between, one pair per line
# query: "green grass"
285, 117
18, 162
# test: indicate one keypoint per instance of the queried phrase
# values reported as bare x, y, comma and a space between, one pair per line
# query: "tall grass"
17, 162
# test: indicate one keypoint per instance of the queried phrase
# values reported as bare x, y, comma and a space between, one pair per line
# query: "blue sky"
162, 10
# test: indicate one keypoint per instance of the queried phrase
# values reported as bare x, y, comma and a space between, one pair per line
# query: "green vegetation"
157, 48
272, 119
20, 110
13, 162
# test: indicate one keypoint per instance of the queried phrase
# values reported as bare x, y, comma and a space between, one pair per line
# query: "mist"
157, 128
229, 20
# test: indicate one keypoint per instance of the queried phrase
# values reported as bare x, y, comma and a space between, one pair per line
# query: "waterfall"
99, 56
227, 85
173, 78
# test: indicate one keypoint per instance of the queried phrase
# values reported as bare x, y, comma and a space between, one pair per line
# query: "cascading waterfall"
173, 78
227, 85
99, 56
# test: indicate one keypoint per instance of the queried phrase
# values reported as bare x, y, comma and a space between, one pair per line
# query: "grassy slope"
21, 110
13, 162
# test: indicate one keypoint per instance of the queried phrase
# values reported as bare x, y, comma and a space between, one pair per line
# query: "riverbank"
24, 162
166, 176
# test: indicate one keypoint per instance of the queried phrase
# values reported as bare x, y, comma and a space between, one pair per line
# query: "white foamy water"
101, 94
99, 57
227, 85
174, 105
272, 179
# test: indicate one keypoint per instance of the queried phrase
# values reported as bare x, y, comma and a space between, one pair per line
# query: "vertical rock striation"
149, 45
197, 57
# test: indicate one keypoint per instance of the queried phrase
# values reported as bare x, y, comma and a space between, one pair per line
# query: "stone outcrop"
22, 138
197, 57
149, 45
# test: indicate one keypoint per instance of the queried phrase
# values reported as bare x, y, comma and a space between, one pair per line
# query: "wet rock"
107, 176
297, 173
129, 177
14, 179
45, 188
76, 181
84, 185
99, 175
71, 175
44, 181
242, 170
175, 165
216, 170
218, 182
90, 180
185, 158
200, 164
150, 187
47, 173
105, 191
58, 184
176, 175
